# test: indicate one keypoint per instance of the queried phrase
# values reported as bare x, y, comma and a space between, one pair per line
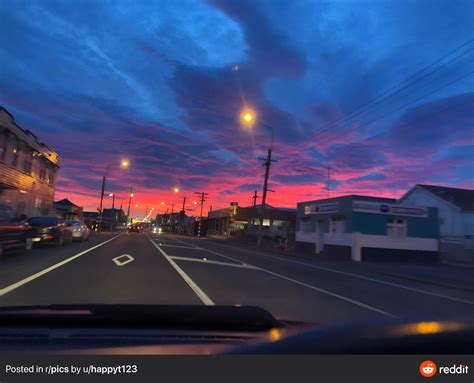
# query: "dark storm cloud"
270, 53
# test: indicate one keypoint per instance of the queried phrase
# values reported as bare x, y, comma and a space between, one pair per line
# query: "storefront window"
337, 224
396, 228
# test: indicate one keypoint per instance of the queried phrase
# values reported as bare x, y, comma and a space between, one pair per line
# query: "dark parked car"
135, 228
14, 231
50, 229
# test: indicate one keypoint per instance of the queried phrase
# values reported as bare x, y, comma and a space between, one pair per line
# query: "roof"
65, 202
462, 198
7, 121
353, 197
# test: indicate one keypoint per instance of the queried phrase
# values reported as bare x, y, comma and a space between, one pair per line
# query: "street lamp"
123, 164
176, 190
248, 118
113, 199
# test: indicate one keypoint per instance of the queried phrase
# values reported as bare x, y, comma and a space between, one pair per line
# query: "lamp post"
113, 199
130, 202
123, 164
249, 118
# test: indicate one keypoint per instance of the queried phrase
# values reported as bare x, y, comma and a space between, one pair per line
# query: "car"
50, 229
156, 230
14, 232
79, 231
135, 228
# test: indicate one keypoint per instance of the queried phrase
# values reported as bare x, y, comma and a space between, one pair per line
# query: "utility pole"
328, 180
184, 203
146, 211
203, 198
267, 163
255, 196
129, 202
99, 224
113, 200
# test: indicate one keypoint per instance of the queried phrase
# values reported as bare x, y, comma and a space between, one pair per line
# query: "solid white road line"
179, 246
354, 275
120, 261
239, 265
201, 294
357, 303
26, 280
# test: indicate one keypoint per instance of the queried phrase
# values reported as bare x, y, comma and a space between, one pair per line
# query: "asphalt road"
169, 269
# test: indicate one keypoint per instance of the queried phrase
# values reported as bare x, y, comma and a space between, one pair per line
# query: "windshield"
43, 221
73, 223
311, 158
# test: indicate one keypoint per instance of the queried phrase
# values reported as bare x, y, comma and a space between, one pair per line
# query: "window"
44, 221
2, 153
15, 158
306, 226
42, 174
337, 224
27, 167
396, 228
50, 177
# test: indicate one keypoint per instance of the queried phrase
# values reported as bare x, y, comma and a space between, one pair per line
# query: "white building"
456, 217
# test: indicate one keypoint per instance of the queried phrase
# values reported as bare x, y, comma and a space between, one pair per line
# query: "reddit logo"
428, 368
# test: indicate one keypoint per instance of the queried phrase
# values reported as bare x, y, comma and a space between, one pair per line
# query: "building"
111, 218
456, 218
28, 169
177, 222
368, 228
91, 219
237, 221
67, 210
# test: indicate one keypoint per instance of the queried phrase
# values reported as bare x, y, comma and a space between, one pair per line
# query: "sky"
380, 92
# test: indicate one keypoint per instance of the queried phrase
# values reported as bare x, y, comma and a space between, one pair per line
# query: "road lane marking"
179, 246
186, 243
26, 280
239, 265
119, 262
346, 299
354, 275
201, 294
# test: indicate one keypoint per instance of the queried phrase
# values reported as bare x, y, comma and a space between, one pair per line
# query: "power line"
418, 99
360, 110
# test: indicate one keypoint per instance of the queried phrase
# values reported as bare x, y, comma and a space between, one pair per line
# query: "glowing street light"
176, 190
124, 163
248, 117
113, 199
